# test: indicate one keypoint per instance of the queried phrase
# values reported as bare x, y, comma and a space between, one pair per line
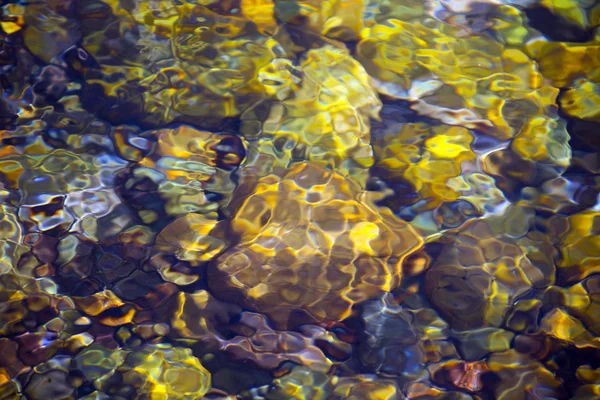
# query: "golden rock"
189, 238
159, 372
564, 63
261, 12
560, 325
469, 81
582, 100
521, 375
365, 387
336, 19
311, 244
14, 19
580, 301
544, 140
301, 383
572, 10
489, 270
580, 246
429, 158
322, 114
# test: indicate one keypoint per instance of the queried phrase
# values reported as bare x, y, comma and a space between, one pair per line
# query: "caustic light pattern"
299, 199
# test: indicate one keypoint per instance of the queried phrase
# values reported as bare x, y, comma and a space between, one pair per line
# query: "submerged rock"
311, 245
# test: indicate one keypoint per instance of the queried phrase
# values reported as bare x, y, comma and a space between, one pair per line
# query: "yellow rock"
429, 157
322, 114
564, 63
261, 13
544, 140
471, 81
301, 383
582, 100
13, 20
562, 326
571, 10
368, 388
160, 371
311, 245
519, 375
189, 238
580, 246
336, 19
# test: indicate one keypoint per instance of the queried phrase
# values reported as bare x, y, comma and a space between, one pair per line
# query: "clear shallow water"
299, 199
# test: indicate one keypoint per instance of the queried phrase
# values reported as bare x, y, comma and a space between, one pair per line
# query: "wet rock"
314, 253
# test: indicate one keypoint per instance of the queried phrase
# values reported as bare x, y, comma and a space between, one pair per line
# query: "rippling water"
300, 199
